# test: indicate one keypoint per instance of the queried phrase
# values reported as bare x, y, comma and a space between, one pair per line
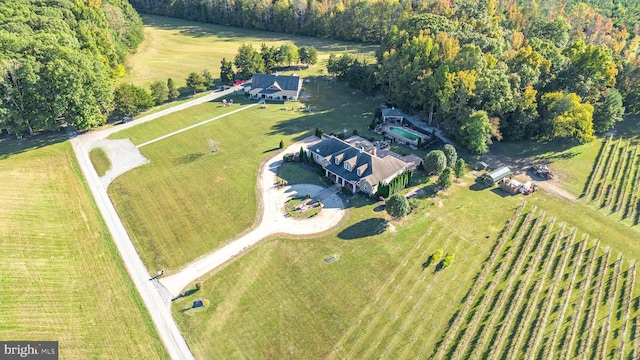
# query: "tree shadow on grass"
185, 294
363, 229
478, 185
272, 149
9, 145
189, 158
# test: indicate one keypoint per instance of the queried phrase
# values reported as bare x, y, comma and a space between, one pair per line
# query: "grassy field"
378, 301
100, 161
281, 300
188, 200
61, 277
174, 48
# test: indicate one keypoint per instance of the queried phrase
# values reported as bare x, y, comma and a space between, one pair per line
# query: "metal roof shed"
497, 175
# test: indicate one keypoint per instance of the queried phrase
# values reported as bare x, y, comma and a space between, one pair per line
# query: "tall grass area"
174, 48
189, 200
61, 277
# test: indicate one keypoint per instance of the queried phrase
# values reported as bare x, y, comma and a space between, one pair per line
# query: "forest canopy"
449, 59
58, 59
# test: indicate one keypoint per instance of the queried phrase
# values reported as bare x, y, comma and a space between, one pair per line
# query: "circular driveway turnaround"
273, 222
154, 293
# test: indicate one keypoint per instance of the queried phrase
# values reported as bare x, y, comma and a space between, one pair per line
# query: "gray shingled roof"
329, 145
276, 85
374, 169
392, 112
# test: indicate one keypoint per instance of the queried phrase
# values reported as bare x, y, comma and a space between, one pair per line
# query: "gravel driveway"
273, 222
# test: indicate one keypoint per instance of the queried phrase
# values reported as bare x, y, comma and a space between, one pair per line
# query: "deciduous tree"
248, 62
196, 82
159, 92
130, 99
566, 116
475, 134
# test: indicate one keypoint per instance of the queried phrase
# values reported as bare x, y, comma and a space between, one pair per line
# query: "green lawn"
296, 306
174, 48
281, 300
188, 200
61, 277
100, 161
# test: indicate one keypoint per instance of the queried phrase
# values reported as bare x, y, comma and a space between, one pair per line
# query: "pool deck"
400, 138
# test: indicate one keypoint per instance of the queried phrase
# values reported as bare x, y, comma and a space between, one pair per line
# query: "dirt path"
520, 169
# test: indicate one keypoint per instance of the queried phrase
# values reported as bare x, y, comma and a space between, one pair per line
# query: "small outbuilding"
511, 186
496, 175
392, 115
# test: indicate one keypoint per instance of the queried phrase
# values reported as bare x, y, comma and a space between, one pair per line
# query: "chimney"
373, 151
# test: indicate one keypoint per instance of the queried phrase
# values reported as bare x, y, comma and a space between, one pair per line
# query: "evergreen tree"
397, 206
444, 179
607, 111
435, 162
460, 168
451, 154
226, 72
173, 92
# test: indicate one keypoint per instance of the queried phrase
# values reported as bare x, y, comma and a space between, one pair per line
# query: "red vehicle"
238, 82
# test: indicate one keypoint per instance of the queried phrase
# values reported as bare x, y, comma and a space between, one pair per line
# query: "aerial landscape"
434, 179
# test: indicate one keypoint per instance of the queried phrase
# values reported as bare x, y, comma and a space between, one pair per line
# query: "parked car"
126, 119
238, 82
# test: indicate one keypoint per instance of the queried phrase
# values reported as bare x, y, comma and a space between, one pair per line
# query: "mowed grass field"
174, 48
188, 200
281, 300
61, 277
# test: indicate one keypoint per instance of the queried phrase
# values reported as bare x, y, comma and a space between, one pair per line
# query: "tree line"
58, 60
130, 99
498, 72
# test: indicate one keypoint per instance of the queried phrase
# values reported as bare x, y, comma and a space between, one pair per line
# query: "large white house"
353, 167
275, 87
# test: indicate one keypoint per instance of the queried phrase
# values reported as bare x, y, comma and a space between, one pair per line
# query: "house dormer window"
337, 161
359, 172
347, 166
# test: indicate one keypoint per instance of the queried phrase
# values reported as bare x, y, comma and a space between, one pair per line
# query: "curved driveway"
273, 222
153, 293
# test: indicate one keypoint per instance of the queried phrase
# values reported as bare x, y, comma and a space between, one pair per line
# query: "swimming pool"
409, 135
